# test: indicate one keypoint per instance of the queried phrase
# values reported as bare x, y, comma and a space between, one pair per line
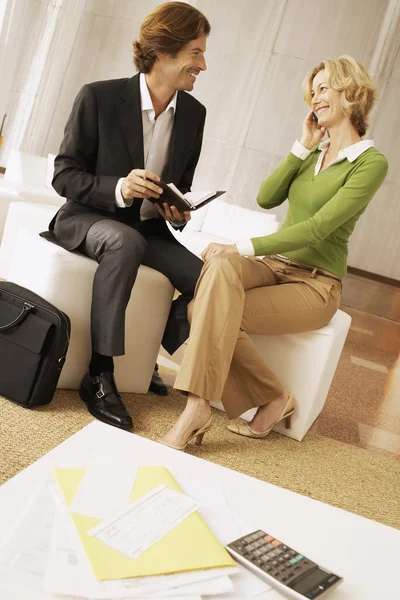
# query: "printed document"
145, 521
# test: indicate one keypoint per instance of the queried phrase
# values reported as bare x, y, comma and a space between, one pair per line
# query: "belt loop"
313, 272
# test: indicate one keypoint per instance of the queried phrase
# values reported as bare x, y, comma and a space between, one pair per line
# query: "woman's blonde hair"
347, 75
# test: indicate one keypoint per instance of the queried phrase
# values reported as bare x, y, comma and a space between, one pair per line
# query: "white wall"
258, 54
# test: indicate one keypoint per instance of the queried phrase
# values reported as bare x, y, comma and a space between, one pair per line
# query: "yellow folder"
191, 545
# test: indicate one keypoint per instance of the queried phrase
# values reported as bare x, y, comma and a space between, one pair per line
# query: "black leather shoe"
157, 386
104, 401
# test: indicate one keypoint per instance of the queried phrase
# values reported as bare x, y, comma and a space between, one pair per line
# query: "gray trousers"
119, 250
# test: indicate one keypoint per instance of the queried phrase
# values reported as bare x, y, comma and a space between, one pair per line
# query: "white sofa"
305, 362
27, 179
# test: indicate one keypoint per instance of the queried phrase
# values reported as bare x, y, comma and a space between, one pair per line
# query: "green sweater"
323, 208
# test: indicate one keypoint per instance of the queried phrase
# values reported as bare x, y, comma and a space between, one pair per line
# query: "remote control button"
268, 538
296, 559
276, 543
274, 563
260, 534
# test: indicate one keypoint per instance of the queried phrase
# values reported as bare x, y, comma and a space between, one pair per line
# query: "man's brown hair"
167, 30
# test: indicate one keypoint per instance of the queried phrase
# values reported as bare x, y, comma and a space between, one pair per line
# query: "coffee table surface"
362, 551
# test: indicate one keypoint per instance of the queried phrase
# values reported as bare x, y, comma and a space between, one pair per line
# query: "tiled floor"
363, 405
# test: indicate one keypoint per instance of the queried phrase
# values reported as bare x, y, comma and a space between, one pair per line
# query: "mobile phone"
315, 117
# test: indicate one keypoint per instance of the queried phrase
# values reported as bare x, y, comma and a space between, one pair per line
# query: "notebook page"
196, 197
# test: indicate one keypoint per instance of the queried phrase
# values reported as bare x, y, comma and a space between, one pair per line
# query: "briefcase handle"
24, 313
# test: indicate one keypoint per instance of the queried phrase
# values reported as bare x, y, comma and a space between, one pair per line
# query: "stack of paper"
85, 538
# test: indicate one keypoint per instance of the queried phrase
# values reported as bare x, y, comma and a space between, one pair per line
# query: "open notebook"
185, 202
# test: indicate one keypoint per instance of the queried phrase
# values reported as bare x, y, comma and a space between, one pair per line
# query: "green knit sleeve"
351, 199
274, 190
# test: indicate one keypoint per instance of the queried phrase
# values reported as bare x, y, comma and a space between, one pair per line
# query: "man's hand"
215, 249
140, 183
172, 214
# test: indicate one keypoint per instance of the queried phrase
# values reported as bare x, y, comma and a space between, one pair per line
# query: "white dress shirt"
352, 152
156, 145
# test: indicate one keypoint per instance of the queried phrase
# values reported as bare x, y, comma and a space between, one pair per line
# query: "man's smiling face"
180, 72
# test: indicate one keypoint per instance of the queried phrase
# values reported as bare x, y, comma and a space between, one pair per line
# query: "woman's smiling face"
325, 101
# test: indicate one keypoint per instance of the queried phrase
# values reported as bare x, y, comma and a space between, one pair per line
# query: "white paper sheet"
26, 548
95, 499
71, 573
67, 573
62, 574
145, 521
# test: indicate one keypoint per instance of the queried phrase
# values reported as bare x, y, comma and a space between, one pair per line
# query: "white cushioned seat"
305, 363
65, 279
27, 179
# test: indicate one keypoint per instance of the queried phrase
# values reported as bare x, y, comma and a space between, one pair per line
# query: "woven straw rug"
330, 471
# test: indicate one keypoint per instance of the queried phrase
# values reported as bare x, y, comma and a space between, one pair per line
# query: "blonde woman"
297, 285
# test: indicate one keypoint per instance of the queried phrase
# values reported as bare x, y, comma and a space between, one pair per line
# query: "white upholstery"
304, 362
26, 169
223, 223
27, 179
230, 221
33, 217
65, 279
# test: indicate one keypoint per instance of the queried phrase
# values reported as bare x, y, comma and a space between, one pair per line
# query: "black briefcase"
34, 339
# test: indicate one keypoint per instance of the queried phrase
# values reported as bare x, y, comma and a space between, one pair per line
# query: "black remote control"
282, 567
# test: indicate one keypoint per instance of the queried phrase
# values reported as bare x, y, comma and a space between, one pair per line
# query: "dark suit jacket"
103, 142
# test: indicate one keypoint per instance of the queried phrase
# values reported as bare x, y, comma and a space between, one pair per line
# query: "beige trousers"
236, 296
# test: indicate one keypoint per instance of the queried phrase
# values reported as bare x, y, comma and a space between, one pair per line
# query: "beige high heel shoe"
242, 427
198, 434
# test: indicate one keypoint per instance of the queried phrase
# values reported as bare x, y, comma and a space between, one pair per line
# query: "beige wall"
258, 54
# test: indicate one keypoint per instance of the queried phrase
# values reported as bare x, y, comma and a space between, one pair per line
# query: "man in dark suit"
121, 138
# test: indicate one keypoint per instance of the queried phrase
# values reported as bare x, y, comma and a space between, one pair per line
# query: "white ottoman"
305, 363
65, 279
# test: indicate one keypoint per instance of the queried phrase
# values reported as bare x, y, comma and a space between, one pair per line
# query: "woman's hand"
312, 132
215, 249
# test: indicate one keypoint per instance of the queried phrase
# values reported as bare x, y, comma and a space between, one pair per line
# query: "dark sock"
100, 364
